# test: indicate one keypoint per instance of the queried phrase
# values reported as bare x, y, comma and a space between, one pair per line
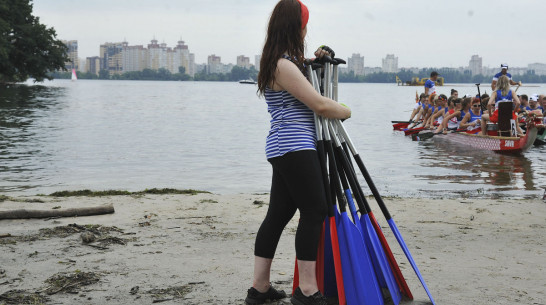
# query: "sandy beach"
198, 249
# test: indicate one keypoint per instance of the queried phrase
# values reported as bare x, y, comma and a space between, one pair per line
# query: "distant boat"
248, 81
74, 77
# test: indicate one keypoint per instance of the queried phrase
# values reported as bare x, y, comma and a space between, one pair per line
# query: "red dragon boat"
493, 142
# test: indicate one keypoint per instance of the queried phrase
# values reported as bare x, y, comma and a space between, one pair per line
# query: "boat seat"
505, 116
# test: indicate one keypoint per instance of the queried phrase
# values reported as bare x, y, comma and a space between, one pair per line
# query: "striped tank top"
292, 124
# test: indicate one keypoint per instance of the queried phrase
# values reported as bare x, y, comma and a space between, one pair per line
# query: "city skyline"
420, 34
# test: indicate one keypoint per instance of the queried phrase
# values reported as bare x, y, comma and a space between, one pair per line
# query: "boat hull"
504, 145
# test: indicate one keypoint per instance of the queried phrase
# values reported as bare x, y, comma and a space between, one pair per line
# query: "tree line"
236, 74
448, 75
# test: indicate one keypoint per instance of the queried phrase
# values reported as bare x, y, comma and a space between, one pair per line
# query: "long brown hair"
284, 35
504, 85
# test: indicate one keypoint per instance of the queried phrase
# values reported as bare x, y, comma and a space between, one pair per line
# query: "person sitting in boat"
454, 93
433, 100
453, 117
503, 93
425, 107
543, 102
533, 105
504, 71
472, 119
430, 84
524, 100
417, 106
484, 101
441, 109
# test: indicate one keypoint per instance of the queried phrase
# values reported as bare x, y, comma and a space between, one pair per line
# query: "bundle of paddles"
354, 262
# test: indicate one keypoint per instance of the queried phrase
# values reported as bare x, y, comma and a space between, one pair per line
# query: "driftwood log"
85, 211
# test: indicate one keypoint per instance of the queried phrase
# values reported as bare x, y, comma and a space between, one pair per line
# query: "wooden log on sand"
85, 211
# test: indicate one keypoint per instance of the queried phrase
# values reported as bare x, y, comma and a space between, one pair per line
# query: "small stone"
88, 237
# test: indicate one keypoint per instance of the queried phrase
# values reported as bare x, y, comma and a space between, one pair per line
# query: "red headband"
304, 15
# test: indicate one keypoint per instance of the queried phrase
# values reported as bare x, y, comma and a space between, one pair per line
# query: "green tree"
103, 74
27, 47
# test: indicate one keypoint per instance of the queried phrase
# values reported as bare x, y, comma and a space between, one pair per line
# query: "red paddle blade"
296, 281
337, 261
400, 280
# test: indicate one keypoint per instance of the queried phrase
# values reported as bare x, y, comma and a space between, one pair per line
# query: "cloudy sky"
421, 33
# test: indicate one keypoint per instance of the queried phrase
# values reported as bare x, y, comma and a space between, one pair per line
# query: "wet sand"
198, 249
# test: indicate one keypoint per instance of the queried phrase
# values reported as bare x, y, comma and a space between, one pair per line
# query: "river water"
133, 135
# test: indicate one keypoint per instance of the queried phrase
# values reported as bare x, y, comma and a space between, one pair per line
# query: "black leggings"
297, 184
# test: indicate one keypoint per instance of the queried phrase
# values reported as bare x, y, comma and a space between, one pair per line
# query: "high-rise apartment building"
158, 56
134, 58
257, 59
181, 58
111, 57
92, 65
390, 64
355, 64
214, 64
243, 61
72, 52
538, 68
475, 65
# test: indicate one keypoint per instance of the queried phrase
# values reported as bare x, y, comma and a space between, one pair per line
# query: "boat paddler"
504, 71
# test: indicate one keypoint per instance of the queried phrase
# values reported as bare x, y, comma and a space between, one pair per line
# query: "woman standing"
290, 148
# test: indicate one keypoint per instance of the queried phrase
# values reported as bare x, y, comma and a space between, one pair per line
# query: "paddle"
359, 277
376, 252
383, 207
332, 257
346, 172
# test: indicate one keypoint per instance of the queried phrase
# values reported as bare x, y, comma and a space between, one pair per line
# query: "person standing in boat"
472, 119
503, 93
291, 149
504, 71
430, 84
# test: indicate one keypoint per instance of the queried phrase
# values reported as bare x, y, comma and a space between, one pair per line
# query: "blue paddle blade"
375, 262
398, 236
377, 255
330, 285
370, 236
361, 287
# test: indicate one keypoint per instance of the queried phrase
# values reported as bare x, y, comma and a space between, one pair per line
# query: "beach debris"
170, 293
134, 290
70, 282
259, 203
85, 211
5, 235
88, 237
21, 297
